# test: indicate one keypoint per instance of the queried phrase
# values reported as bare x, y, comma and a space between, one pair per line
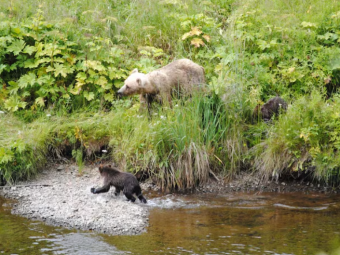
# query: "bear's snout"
120, 93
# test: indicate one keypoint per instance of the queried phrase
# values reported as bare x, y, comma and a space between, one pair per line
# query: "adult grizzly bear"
125, 182
272, 107
179, 77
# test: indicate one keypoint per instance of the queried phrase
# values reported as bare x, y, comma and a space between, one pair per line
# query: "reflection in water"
21, 236
239, 224
196, 224
78, 244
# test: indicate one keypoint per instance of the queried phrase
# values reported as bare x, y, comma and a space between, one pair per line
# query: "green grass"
178, 145
253, 50
306, 138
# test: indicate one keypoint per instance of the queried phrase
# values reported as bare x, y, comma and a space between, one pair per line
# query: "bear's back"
181, 74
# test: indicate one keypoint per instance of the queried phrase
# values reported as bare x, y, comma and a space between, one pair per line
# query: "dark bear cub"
125, 182
273, 107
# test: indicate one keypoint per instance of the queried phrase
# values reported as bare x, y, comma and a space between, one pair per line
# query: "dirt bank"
248, 182
60, 196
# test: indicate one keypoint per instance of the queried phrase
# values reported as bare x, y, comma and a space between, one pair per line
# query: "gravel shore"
60, 196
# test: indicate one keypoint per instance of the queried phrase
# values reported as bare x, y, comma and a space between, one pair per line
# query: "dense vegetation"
61, 62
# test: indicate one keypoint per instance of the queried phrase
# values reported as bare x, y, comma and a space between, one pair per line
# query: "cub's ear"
110, 166
134, 71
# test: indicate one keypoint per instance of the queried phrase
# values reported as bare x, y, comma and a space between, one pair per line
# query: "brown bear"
272, 107
125, 182
179, 77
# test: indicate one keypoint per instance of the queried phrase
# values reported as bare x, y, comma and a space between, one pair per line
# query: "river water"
243, 223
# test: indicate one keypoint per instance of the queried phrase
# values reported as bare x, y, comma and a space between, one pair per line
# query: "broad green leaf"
39, 46
66, 96
27, 79
101, 81
31, 63
81, 75
76, 90
13, 87
58, 60
16, 47
6, 155
2, 67
29, 49
50, 49
63, 70
16, 30
49, 69
45, 80
108, 97
14, 103
40, 101
263, 44
95, 65
89, 95
19, 145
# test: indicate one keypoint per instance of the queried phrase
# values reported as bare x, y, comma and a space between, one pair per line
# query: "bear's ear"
139, 82
134, 71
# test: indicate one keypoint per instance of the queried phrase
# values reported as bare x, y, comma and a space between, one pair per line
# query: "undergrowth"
62, 61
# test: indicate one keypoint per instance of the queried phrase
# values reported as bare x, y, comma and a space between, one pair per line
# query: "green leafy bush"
304, 139
40, 67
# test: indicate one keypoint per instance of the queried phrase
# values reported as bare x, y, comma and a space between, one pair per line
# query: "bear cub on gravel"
179, 77
125, 182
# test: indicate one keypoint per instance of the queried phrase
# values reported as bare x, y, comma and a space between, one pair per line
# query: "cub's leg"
103, 189
117, 191
129, 196
138, 192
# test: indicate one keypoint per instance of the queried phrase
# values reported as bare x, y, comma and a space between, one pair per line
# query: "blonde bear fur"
179, 77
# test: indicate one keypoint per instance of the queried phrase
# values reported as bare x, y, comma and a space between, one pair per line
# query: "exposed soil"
248, 182
61, 196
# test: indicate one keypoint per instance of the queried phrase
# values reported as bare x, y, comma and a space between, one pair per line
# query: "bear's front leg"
103, 189
117, 191
144, 104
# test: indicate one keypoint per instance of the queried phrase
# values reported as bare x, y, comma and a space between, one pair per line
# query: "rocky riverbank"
60, 196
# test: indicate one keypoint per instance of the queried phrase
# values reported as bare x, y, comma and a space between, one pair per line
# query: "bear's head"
134, 84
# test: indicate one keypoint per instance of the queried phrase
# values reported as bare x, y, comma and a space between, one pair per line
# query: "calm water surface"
196, 224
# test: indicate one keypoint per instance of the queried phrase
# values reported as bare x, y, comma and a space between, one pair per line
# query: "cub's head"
104, 169
134, 84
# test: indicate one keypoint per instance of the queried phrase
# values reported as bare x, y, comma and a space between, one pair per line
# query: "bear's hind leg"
142, 198
138, 192
129, 196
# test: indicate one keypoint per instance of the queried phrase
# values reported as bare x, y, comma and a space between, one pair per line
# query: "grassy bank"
61, 63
